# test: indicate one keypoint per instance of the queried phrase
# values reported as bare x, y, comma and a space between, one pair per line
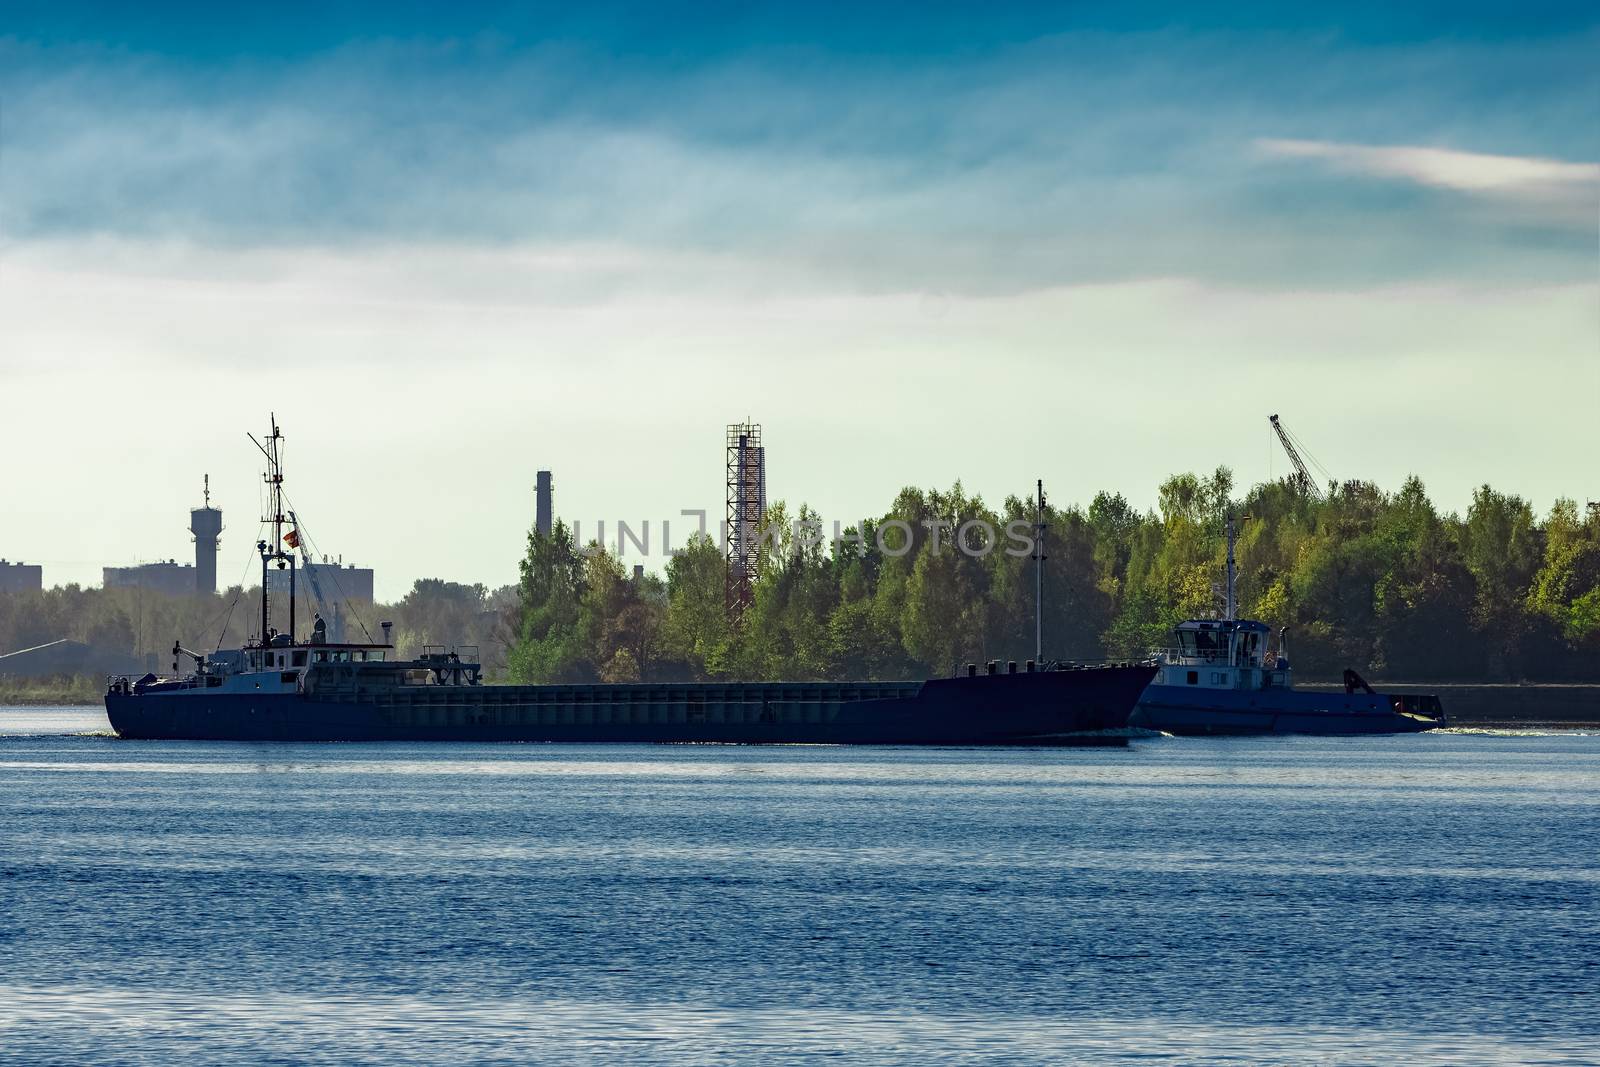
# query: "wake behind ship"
283, 689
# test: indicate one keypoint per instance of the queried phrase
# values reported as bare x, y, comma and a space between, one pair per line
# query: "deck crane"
324, 604
1302, 476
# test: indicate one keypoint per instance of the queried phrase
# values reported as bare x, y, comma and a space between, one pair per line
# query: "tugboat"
280, 688
1223, 679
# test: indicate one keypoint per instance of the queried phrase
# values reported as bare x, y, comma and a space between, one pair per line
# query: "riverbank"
63, 690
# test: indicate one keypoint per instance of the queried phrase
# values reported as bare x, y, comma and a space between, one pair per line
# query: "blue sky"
204, 31
943, 150
832, 218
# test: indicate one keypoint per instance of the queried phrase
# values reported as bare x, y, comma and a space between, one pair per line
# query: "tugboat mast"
1229, 604
273, 550
1038, 577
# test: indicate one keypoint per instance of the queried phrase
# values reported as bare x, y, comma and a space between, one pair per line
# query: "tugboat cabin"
1223, 654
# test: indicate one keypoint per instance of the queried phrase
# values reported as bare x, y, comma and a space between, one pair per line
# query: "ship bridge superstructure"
1223, 654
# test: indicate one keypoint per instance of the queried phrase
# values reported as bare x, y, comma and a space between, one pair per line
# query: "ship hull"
1201, 713
1073, 707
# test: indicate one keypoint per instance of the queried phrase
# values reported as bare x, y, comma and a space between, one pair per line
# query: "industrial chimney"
206, 524
541, 506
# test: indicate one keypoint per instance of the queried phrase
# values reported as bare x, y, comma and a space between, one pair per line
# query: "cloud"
1568, 189
1059, 161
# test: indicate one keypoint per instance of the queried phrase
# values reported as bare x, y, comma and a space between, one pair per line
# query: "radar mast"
272, 551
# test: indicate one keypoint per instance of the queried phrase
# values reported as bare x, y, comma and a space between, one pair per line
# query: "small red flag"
293, 538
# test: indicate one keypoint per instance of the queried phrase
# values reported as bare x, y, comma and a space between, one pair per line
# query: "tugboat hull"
1200, 713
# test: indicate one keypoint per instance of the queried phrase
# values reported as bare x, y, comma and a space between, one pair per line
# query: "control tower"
206, 524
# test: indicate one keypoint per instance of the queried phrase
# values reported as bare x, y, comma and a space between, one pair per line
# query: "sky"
1095, 243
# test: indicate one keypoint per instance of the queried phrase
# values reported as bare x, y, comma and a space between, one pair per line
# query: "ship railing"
464, 653
1184, 655
1198, 657
124, 683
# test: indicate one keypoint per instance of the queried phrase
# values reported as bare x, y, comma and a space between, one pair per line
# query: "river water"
1426, 899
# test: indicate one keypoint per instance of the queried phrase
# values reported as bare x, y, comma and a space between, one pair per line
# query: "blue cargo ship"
282, 688
289, 691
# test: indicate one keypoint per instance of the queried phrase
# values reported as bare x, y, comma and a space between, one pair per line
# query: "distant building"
337, 582
169, 579
345, 589
21, 577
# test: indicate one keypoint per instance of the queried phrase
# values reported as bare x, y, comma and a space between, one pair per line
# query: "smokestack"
638, 572
541, 506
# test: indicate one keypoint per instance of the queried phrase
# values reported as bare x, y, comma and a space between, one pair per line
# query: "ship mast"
272, 551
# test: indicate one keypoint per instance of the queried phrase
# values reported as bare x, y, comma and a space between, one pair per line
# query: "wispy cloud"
1068, 159
1563, 187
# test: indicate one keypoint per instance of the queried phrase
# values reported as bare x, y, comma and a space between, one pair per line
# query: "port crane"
1302, 476
324, 603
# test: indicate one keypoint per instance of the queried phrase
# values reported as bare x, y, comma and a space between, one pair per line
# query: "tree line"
1375, 580
1379, 581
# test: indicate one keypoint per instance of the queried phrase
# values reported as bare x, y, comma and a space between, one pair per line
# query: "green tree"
1503, 552
551, 585
696, 635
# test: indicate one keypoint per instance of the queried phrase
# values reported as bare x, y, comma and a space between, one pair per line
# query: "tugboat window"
1194, 677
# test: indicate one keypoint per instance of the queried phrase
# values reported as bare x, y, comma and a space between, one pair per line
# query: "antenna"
1038, 577
1229, 605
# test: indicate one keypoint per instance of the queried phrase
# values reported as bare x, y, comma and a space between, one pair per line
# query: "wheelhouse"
296, 657
1223, 654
